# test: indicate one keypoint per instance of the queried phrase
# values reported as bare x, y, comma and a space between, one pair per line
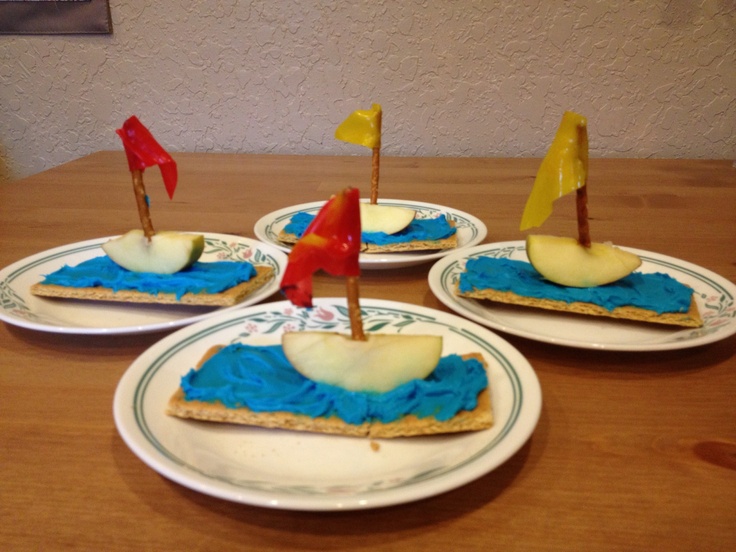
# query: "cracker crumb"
375, 446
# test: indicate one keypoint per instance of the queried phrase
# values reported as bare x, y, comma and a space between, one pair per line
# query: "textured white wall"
656, 78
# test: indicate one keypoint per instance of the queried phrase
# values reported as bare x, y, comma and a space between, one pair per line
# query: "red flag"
330, 243
144, 151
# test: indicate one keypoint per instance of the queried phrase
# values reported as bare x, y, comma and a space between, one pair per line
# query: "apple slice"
564, 261
375, 217
379, 364
166, 253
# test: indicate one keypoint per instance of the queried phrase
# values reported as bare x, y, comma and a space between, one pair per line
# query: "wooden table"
632, 451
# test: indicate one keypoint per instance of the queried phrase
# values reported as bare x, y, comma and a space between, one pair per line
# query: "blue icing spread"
262, 379
200, 277
419, 229
657, 292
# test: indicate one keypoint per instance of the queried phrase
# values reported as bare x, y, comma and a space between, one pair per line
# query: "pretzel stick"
581, 195
356, 321
375, 162
374, 174
581, 201
140, 199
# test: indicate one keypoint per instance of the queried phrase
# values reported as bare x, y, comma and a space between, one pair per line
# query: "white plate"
713, 294
470, 231
304, 471
19, 307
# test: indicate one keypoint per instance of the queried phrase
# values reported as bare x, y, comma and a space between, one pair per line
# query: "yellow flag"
362, 127
564, 169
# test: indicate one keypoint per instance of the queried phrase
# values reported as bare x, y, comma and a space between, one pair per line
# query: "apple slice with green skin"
375, 217
379, 364
165, 253
564, 261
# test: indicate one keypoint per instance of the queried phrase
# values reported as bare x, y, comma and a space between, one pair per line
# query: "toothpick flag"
144, 151
563, 170
330, 243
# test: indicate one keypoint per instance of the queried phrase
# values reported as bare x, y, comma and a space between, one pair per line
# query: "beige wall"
656, 78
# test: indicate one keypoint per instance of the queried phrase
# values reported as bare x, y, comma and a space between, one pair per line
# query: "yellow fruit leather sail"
362, 127
563, 170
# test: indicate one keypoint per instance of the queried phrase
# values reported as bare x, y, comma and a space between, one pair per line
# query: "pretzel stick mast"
140, 199
581, 201
356, 320
581, 194
376, 162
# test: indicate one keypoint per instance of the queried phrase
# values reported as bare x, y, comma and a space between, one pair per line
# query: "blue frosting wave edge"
437, 228
262, 379
210, 277
658, 292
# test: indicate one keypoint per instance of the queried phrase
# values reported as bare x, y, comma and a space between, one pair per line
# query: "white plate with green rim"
20, 308
306, 471
470, 231
713, 294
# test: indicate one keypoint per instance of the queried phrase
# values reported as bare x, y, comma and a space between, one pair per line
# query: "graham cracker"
690, 319
481, 417
225, 298
417, 245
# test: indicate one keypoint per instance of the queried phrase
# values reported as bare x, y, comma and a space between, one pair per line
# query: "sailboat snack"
576, 275
385, 228
374, 385
145, 266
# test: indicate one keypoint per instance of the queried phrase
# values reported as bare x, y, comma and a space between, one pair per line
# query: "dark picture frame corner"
38, 17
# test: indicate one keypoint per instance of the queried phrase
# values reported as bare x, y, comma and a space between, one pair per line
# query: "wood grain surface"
632, 451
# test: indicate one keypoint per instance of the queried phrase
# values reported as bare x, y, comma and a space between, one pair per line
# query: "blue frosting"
262, 379
437, 228
657, 292
200, 277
